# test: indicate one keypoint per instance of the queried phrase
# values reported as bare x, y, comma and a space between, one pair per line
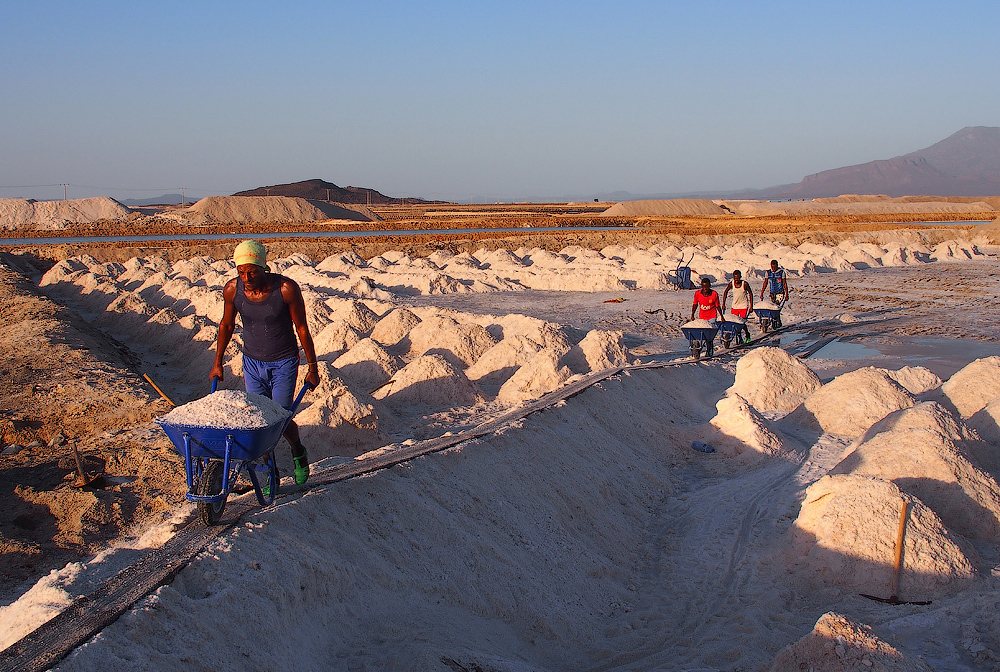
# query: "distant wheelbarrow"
733, 332
701, 338
769, 318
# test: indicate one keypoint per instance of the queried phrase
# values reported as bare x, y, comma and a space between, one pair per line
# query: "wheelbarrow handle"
298, 398
215, 383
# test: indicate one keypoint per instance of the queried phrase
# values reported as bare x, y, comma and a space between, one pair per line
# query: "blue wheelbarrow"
769, 318
701, 338
214, 457
733, 332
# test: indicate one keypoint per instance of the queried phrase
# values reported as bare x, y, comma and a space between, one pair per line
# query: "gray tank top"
268, 332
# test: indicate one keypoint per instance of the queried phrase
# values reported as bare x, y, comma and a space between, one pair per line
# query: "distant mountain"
964, 164
165, 199
321, 190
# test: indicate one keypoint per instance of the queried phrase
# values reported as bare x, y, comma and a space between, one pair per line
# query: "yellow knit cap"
250, 252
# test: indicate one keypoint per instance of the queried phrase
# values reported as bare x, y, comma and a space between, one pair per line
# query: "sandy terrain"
588, 536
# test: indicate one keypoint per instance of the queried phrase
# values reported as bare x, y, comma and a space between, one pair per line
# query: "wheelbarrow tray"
767, 313
731, 326
700, 333
210, 442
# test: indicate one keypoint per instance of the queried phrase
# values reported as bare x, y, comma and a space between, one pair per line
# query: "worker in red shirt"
706, 302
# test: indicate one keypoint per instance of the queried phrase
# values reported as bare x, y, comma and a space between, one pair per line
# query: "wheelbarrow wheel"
727, 341
210, 483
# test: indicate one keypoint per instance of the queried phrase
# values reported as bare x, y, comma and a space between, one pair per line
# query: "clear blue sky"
493, 100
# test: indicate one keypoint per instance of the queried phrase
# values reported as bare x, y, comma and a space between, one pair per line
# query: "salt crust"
228, 409
845, 536
922, 450
838, 644
770, 379
851, 403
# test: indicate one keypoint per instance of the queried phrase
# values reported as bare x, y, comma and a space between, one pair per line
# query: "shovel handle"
900, 534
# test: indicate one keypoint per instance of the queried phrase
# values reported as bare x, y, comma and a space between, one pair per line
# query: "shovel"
894, 598
82, 479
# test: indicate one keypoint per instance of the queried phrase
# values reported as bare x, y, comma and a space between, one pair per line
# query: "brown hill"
966, 163
321, 190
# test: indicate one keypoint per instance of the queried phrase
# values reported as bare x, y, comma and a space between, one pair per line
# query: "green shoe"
264, 478
301, 467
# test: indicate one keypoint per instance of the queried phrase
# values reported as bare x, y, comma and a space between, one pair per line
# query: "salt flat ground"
588, 536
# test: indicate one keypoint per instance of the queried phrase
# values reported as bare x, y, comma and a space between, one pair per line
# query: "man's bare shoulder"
289, 289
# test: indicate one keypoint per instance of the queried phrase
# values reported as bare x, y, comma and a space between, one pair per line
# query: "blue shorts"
275, 380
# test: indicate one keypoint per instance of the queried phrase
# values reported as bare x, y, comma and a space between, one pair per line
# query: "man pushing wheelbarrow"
706, 303
273, 313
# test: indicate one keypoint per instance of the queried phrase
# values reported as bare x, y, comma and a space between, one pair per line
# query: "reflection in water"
845, 350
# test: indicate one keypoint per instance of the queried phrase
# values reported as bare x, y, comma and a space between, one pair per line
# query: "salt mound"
541, 374
920, 450
837, 644
500, 362
664, 207
599, 350
916, 379
463, 344
337, 408
232, 409
356, 314
261, 209
394, 327
845, 536
432, 380
19, 213
986, 423
771, 379
367, 363
766, 303
335, 339
697, 324
974, 386
743, 430
853, 402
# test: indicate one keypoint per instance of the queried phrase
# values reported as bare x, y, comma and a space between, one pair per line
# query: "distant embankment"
841, 205
20, 213
262, 209
665, 208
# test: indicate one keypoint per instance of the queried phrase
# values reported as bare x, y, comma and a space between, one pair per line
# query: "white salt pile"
743, 431
838, 644
851, 403
845, 537
228, 409
766, 304
916, 379
922, 450
770, 379
974, 386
